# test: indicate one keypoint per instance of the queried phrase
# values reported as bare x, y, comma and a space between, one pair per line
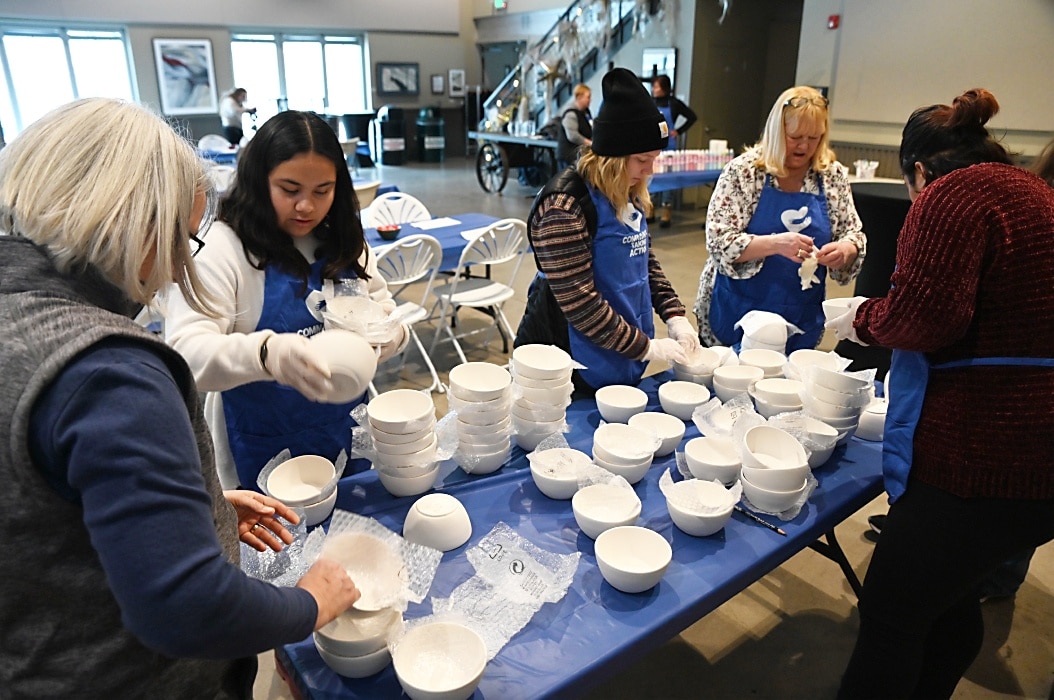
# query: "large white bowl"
765, 446
408, 485
669, 429
697, 523
439, 521
679, 398
302, 480
557, 483
632, 559
479, 381
599, 507
712, 457
618, 402
630, 472
439, 661
769, 361
537, 361
357, 633
401, 410
354, 666
352, 363
769, 500
737, 377
315, 513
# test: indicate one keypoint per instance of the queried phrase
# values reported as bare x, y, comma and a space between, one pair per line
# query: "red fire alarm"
833, 20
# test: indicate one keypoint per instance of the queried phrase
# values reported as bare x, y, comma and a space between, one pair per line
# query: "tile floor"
790, 634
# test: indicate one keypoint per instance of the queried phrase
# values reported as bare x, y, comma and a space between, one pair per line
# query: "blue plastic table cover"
449, 237
595, 630
664, 182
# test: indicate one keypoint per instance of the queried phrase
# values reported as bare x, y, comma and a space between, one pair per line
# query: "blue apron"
777, 287
667, 114
263, 418
620, 273
909, 373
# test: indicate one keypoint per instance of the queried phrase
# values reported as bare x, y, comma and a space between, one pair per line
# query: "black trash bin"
431, 141
388, 137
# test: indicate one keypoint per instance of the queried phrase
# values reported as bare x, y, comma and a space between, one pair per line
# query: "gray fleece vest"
60, 627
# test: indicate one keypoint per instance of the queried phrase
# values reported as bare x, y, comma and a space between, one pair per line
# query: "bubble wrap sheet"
286, 567
684, 494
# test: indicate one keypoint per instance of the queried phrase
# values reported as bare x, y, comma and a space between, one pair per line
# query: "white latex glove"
680, 329
293, 362
390, 349
665, 349
842, 325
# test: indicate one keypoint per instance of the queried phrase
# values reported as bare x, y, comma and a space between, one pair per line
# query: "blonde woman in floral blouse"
782, 202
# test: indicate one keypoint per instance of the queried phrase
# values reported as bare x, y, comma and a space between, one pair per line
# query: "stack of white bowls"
836, 398
777, 395
730, 380
542, 378
481, 394
770, 361
623, 451
775, 468
800, 360
355, 644
402, 424
699, 367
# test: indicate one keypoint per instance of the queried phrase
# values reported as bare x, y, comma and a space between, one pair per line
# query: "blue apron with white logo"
264, 418
909, 373
777, 287
667, 114
620, 273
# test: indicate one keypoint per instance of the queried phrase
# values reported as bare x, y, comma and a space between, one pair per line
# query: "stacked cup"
480, 394
402, 424
542, 377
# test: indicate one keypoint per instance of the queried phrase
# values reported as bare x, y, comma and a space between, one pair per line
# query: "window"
325, 74
44, 67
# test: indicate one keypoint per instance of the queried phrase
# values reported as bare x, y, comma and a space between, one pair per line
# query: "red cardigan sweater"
975, 278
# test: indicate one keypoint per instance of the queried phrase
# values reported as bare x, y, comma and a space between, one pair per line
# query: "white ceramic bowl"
408, 485
725, 392
558, 481
630, 472
355, 666
777, 391
669, 429
599, 507
765, 446
479, 381
527, 410
371, 563
706, 380
466, 429
419, 458
618, 402
774, 333
698, 523
557, 396
485, 442
406, 448
820, 431
737, 377
807, 357
777, 479
484, 417
541, 362
315, 513
618, 443
823, 410
439, 521
485, 462
701, 361
401, 411
767, 410
356, 633
302, 480
352, 363
873, 422
833, 308
679, 398
839, 424
530, 440
712, 457
439, 661
401, 438
769, 500
528, 383
835, 398
839, 381
769, 361
632, 559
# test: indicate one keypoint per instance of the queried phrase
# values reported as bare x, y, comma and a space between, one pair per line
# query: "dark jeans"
920, 617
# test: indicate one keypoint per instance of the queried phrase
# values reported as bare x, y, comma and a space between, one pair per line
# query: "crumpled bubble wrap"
420, 563
716, 419
514, 578
684, 494
284, 456
754, 320
287, 566
565, 462
791, 513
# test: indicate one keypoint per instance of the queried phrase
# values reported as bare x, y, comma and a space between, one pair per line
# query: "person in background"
679, 118
970, 318
289, 223
576, 128
598, 280
773, 207
122, 548
232, 107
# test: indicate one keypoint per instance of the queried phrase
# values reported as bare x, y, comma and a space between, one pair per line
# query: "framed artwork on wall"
397, 79
186, 78
457, 82
437, 84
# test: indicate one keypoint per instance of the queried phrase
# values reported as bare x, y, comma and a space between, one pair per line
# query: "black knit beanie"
628, 121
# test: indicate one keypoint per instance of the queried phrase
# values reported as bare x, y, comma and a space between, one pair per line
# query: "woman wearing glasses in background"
122, 550
774, 207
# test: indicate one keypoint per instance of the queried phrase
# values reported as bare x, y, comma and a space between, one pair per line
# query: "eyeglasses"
209, 215
802, 101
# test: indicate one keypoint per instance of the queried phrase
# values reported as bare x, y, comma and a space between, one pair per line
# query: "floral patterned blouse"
732, 206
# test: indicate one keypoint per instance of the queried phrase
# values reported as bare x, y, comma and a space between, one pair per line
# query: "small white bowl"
699, 524
669, 429
769, 361
528, 441
839, 381
401, 410
486, 442
484, 417
439, 521
479, 381
823, 410
408, 485
833, 308
806, 357
302, 480
821, 432
725, 392
599, 507
835, 398
537, 361
485, 462
352, 363
618, 443
556, 396
618, 402
406, 448
701, 361
557, 481
355, 666
680, 399
712, 457
774, 333
765, 446
769, 500
357, 633
737, 377
767, 410
873, 422
315, 513
401, 438
439, 661
528, 383
839, 424
537, 412
777, 479
630, 472
411, 459
777, 391
465, 429
706, 380
632, 559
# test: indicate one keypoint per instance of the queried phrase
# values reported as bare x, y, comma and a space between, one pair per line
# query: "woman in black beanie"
598, 280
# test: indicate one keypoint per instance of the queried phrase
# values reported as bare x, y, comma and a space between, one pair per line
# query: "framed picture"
397, 79
456, 78
437, 84
185, 76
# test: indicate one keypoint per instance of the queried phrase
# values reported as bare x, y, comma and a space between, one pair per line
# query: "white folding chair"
411, 260
394, 208
502, 242
214, 142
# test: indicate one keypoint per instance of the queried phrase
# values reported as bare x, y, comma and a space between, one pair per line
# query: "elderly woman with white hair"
122, 549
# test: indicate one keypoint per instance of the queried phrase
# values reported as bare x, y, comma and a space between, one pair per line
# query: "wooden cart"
498, 152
